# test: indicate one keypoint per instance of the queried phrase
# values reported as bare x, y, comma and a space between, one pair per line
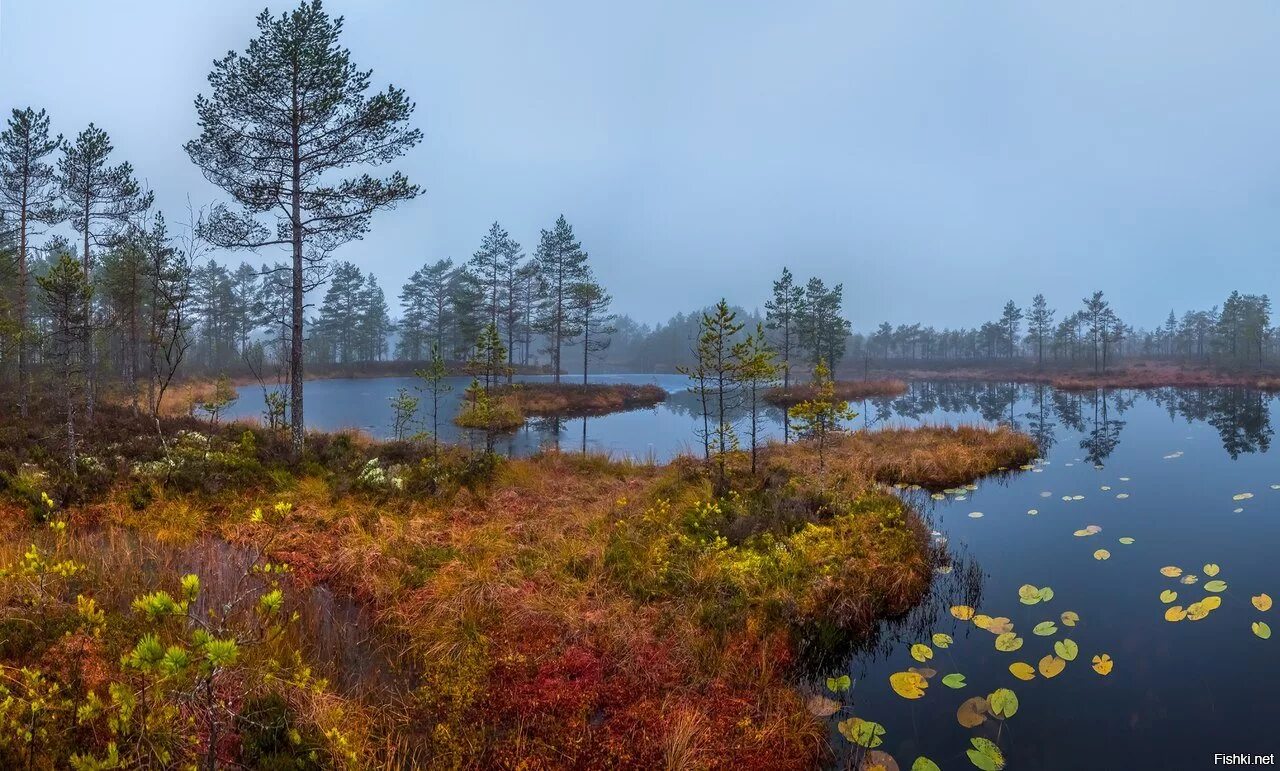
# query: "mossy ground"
556, 611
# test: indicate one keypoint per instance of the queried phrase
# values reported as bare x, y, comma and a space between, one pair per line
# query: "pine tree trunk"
24, 387
296, 418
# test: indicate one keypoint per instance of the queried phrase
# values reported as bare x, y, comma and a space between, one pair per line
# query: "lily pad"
1188, 579
921, 652
1066, 649
999, 625
1261, 629
1022, 670
1168, 596
839, 684
962, 612
863, 733
1175, 613
878, 760
985, 754
1070, 618
1002, 702
941, 640
1045, 629
924, 764
1171, 571
954, 680
908, 685
1215, 586
1126, 540
1102, 664
1008, 642
1102, 554
972, 712
822, 706
1210, 569
1051, 666
1261, 601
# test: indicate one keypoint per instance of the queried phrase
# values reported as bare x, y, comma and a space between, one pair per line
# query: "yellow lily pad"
1261, 629
1261, 601
1008, 642
1171, 571
1210, 570
1070, 618
863, 733
1102, 664
1175, 613
999, 625
941, 640
921, 652
1022, 670
908, 685
1102, 554
962, 612
1051, 666
1168, 596
1189, 579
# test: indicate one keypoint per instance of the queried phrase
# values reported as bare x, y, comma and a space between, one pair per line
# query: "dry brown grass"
579, 399
1137, 374
934, 457
846, 390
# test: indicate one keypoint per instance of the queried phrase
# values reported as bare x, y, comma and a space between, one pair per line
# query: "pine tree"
561, 265
821, 416
1039, 322
373, 323
783, 317
339, 313
28, 188
757, 369
100, 200
434, 375
1010, 321
491, 265
590, 314
281, 119
716, 376
65, 295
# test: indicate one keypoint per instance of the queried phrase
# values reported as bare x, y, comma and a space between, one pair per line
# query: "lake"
1184, 476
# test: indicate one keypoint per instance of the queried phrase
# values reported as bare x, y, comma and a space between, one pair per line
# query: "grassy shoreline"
556, 610
845, 390
1141, 374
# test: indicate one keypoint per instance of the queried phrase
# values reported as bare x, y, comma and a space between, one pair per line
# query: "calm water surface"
1162, 467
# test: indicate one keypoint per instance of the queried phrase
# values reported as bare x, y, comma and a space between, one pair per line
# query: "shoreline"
622, 572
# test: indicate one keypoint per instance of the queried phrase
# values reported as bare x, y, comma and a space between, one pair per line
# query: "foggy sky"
936, 157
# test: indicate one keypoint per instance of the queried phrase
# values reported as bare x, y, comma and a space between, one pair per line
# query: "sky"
938, 158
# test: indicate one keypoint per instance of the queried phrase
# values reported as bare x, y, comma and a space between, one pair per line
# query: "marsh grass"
565, 610
845, 390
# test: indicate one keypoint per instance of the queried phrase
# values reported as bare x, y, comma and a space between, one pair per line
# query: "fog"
937, 158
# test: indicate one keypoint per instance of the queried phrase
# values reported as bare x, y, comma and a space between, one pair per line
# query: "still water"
1185, 476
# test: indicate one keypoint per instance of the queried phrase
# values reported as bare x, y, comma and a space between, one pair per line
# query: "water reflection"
1242, 417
